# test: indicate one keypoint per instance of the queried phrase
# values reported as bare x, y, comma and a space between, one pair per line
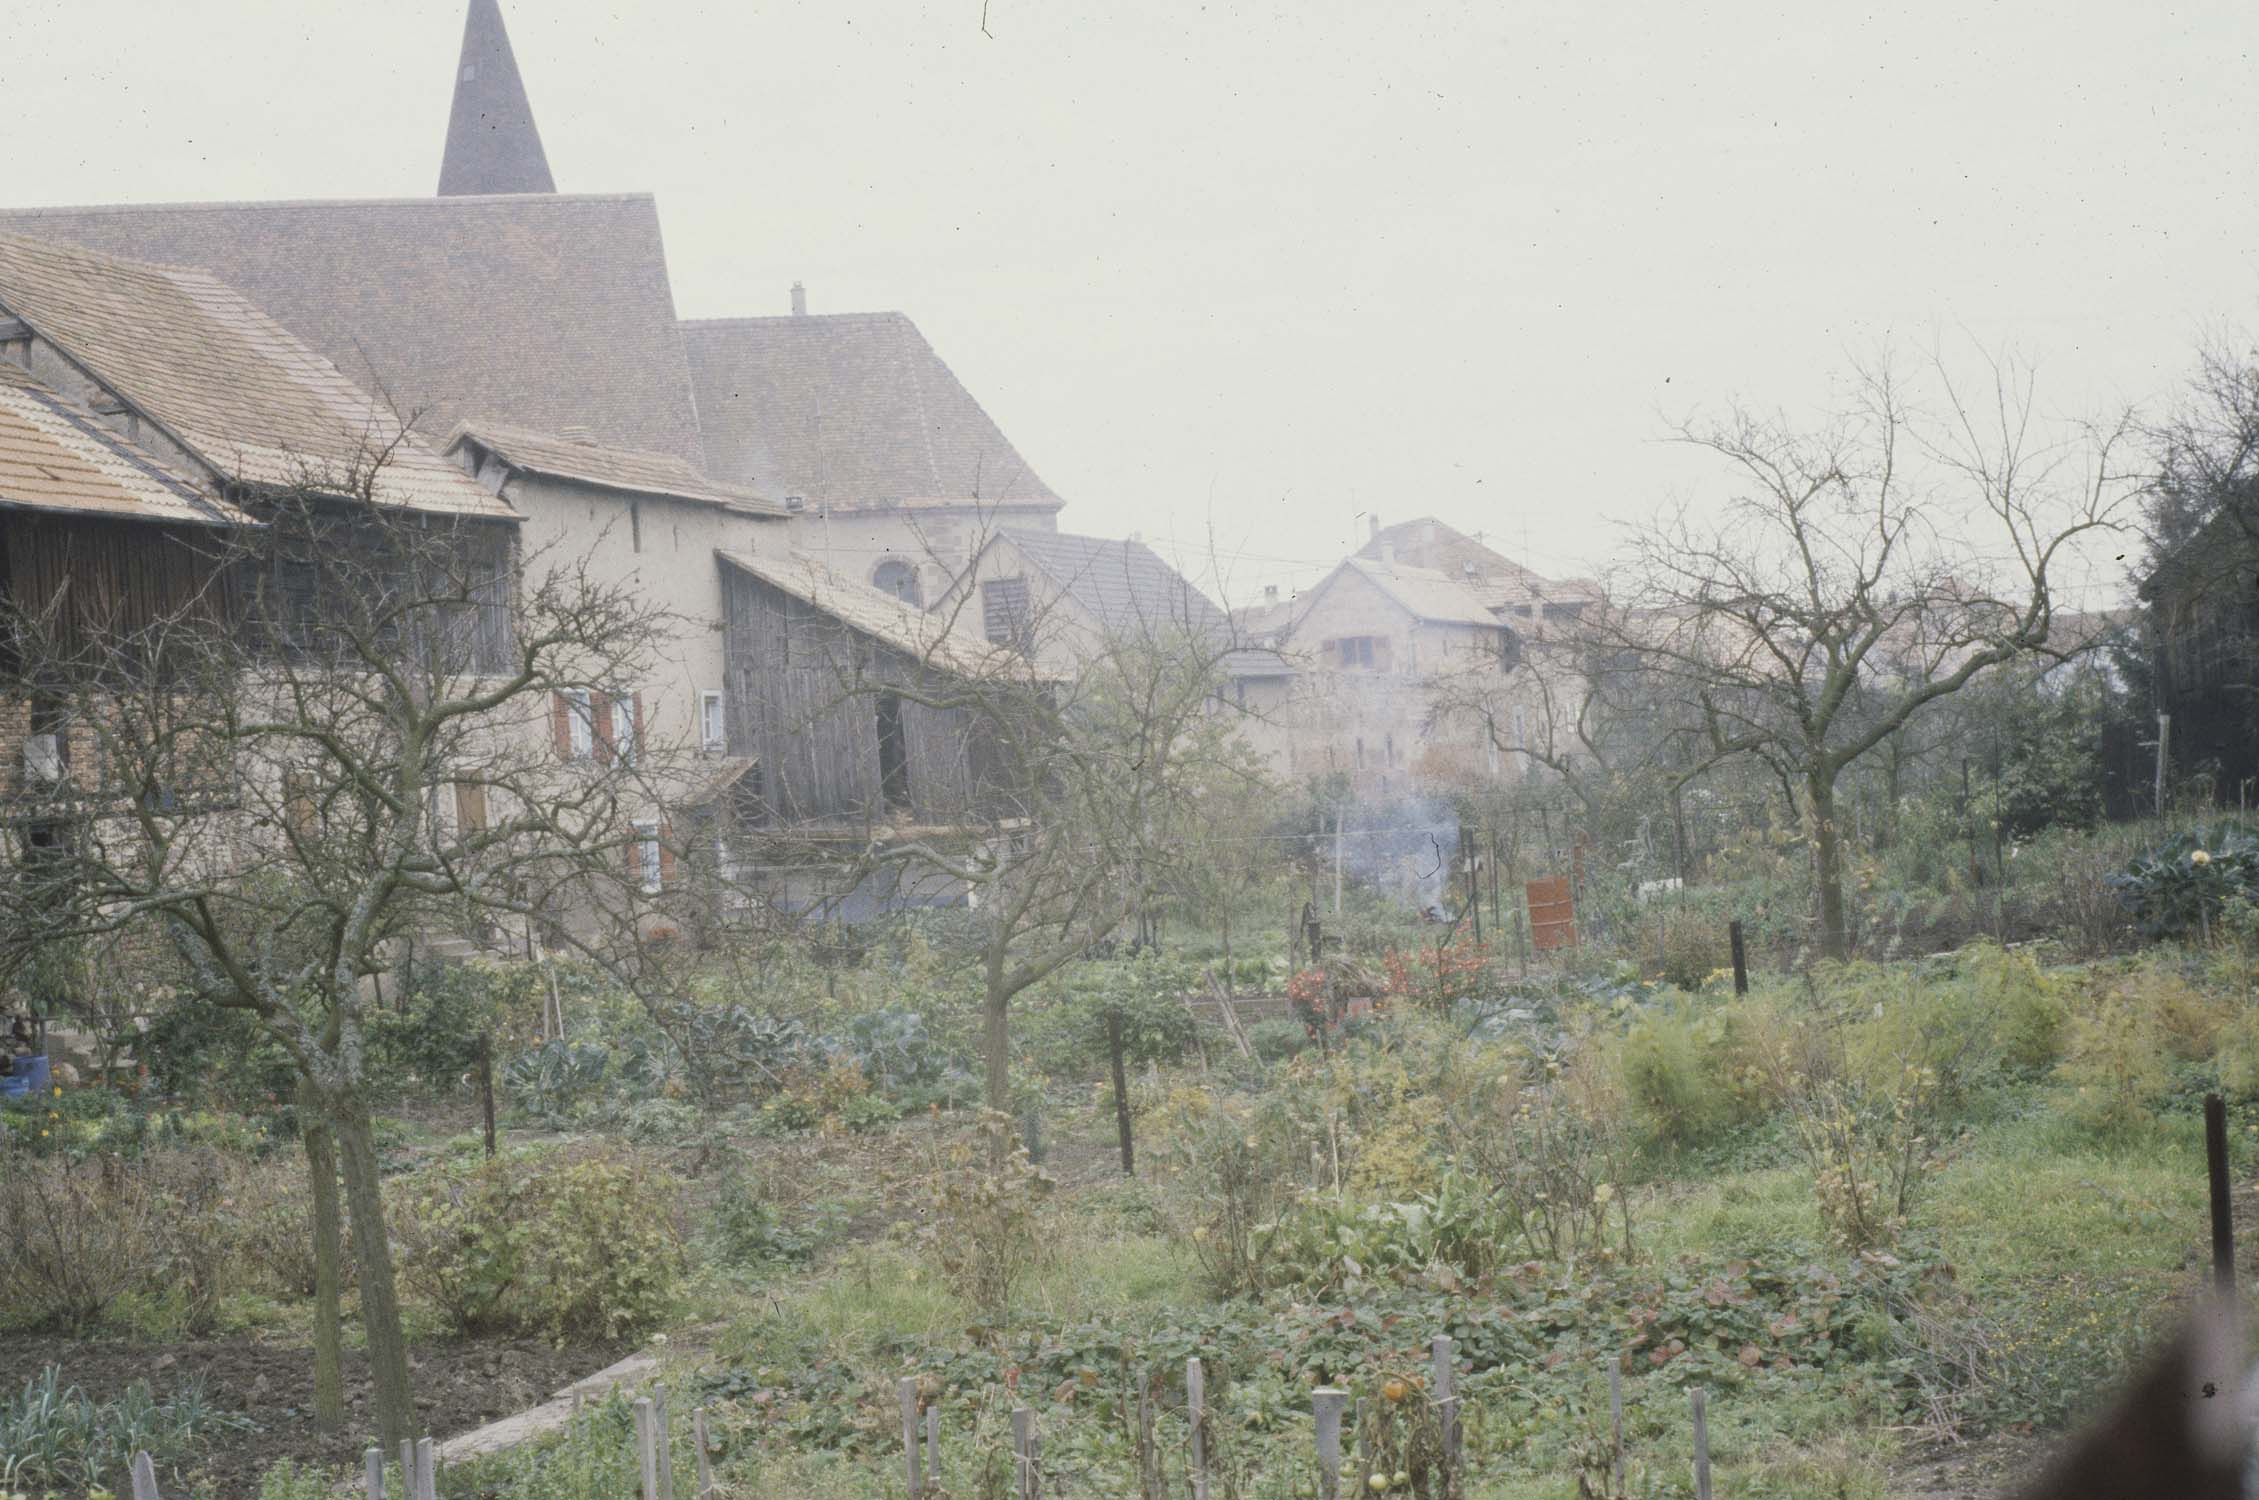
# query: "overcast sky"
1263, 268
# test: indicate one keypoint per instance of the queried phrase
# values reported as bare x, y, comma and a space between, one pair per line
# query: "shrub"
79, 1237
1276, 1041
1235, 1174
549, 1080
2114, 1066
660, 1122
532, 1243
2028, 1014
984, 1228
1675, 1079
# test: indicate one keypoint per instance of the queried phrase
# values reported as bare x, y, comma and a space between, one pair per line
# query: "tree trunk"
1827, 864
321, 1174
380, 1300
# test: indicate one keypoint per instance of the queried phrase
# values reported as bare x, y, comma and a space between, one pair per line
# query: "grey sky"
1273, 265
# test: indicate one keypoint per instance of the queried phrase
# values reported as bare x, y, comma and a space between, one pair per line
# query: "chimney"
1270, 593
799, 300
1373, 522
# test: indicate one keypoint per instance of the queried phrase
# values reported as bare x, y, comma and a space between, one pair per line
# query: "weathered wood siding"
802, 696
82, 584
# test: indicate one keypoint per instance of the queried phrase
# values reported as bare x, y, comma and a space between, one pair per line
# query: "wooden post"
427, 1474
1196, 1416
1121, 1090
408, 1468
144, 1471
907, 1390
2223, 1224
1740, 957
372, 1463
1701, 1444
486, 1085
2164, 739
1326, 1403
1023, 1454
1521, 942
1474, 880
705, 1454
647, 1447
1337, 815
933, 1445
1616, 1425
663, 1434
1447, 1409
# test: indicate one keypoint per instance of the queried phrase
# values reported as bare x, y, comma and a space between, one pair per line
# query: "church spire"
492, 145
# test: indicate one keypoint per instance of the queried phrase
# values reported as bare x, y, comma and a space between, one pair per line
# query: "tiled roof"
56, 455
1497, 580
861, 607
1424, 593
492, 145
847, 409
221, 378
1256, 661
544, 310
1123, 585
607, 467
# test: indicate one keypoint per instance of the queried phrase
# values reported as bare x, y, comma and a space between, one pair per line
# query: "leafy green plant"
2179, 887
550, 1079
55, 1437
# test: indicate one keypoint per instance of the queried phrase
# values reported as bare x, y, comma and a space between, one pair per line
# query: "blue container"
38, 1070
13, 1087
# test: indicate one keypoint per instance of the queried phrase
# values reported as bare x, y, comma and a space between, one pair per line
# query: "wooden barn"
834, 720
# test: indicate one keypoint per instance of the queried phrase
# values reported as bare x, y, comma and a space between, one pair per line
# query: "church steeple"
492, 145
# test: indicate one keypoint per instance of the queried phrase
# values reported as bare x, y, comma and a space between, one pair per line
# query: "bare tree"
1862, 571
376, 724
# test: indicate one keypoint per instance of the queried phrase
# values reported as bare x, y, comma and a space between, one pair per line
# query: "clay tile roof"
221, 378
863, 608
1123, 585
1424, 593
632, 470
543, 310
492, 145
55, 455
848, 409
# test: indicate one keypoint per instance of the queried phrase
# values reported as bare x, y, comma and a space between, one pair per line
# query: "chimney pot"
799, 300
1270, 593
1372, 523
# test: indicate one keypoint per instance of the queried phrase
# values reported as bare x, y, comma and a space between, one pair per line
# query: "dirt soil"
458, 1386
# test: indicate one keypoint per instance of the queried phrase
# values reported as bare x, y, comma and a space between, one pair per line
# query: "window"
894, 754
1005, 616
635, 526
644, 856
1357, 651
896, 577
576, 724
627, 722
470, 806
713, 726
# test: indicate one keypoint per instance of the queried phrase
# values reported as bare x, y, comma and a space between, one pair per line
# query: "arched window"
896, 577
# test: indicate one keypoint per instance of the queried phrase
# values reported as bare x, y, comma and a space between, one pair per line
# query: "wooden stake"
647, 1447
372, 1462
486, 1085
1616, 1424
427, 1474
705, 1454
1023, 1454
1701, 1444
1196, 1414
408, 1468
663, 1439
907, 1390
1447, 1408
933, 1446
1326, 1403
1121, 1090
2223, 1223
144, 1471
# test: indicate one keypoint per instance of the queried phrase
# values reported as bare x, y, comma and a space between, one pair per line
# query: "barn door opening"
894, 754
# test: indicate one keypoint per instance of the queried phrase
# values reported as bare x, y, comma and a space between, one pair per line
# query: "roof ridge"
749, 320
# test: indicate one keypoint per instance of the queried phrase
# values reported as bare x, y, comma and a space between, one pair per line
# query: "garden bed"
458, 1386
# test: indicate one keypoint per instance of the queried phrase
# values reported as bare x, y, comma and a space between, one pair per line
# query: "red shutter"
600, 717
666, 854
561, 720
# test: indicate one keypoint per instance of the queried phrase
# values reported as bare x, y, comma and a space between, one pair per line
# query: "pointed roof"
492, 143
56, 455
579, 457
1123, 585
845, 410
